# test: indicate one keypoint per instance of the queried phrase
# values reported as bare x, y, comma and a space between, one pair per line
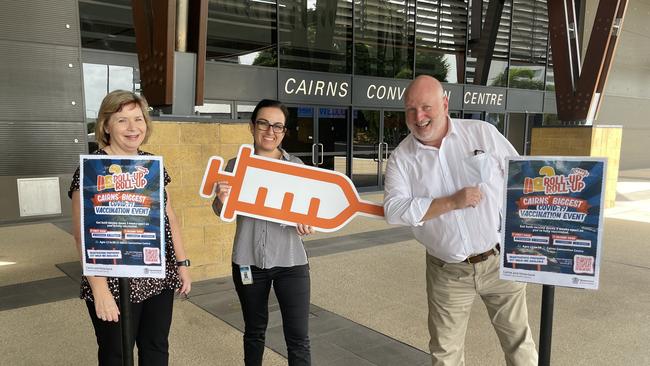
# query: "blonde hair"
114, 102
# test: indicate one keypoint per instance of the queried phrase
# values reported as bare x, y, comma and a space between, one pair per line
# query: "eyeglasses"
264, 126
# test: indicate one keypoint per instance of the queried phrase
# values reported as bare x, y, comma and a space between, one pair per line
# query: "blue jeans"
291, 285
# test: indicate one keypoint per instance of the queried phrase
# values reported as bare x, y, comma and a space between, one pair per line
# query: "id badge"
246, 275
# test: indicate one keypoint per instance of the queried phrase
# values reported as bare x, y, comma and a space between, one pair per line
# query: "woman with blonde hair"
123, 125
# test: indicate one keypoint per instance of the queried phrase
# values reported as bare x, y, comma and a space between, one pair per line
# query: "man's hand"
467, 197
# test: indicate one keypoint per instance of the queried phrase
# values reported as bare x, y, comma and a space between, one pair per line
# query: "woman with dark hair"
267, 254
123, 124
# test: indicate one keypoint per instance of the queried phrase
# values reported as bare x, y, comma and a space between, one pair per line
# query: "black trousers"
152, 319
291, 286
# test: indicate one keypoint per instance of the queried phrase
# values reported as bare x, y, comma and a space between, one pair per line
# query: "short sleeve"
74, 185
167, 178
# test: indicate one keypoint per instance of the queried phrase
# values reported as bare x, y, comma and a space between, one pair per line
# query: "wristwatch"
185, 263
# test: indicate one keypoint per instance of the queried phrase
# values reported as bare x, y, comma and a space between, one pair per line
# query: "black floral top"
141, 288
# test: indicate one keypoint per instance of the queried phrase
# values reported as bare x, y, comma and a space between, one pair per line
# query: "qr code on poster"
151, 255
583, 264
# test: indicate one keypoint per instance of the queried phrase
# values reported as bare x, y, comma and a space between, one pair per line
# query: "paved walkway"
368, 301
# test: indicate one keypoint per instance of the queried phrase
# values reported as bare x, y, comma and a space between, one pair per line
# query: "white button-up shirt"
471, 154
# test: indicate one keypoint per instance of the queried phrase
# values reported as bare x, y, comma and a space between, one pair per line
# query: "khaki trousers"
451, 288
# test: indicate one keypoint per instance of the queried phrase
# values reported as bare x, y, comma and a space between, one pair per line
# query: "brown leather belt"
483, 256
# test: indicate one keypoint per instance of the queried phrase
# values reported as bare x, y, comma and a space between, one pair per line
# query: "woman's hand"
105, 306
304, 230
223, 191
186, 281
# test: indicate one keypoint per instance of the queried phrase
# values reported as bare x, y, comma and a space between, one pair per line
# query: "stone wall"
594, 141
186, 148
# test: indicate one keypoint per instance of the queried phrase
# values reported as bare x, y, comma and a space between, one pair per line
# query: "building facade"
341, 66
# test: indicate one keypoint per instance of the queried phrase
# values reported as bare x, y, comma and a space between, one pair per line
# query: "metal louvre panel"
106, 13
501, 46
442, 25
381, 17
529, 31
37, 82
250, 23
502, 43
317, 39
503, 35
40, 148
40, 21
107, 25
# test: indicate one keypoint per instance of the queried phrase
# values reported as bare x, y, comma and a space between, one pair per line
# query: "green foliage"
404, 73
432, 63
518, 78
266, 58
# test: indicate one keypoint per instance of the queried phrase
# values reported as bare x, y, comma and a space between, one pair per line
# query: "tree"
518, 77
266, 57
432, 63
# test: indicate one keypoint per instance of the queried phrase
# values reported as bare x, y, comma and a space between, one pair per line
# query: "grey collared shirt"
262, 243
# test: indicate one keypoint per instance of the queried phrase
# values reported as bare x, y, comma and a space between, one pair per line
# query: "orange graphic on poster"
286, 192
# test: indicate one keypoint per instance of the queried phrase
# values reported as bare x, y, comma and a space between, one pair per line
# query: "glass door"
516, 131
533, 120
394, 131
331, 150
366, 134
300, 138
519, 128
376, 133
318, 136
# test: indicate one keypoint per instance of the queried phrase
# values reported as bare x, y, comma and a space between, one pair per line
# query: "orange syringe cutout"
286, 192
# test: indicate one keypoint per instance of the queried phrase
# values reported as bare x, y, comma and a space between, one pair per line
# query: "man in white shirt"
446, 181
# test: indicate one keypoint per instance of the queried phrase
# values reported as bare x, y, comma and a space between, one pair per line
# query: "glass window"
365, 141
516, 131
551, 119
455, 114
242, 32
120, 77
528, 45
498, 120
99, 79
384, 38
316, 35
498, 71
440, 39
95, 87
526, 76
107, 25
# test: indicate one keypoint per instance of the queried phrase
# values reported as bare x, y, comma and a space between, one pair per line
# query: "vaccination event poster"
554, 220
121, 216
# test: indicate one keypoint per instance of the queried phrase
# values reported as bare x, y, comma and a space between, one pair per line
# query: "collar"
101, 151
452, 127
285, 154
